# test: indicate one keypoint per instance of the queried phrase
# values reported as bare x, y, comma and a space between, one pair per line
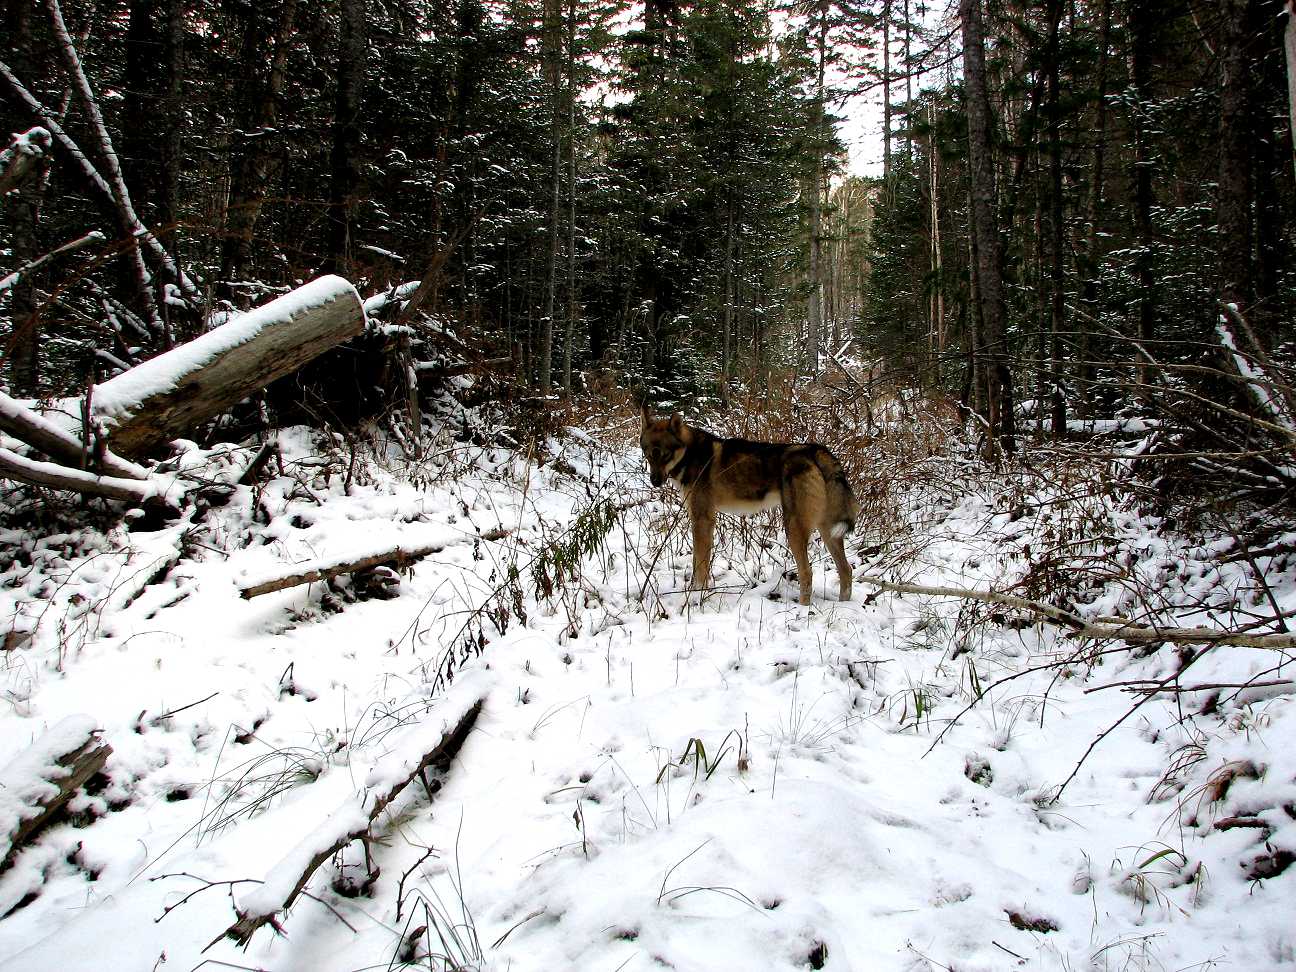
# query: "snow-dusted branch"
53, 440
1255, 371
171, 394
35, 473
1114, 630
9, 281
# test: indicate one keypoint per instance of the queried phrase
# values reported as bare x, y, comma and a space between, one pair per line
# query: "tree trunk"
253, 168
1142, 23
172, 394
727, 324
989, 349
344, 165
552, 54
150, 126
1057, 251
1289, 48
569, 337
1088, 258
1234, 206
814, 308
886, 89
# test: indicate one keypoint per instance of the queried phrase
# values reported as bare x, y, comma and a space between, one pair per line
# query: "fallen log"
354, 819
399, 557
1116, 629
57, 443
37, 784
170, 395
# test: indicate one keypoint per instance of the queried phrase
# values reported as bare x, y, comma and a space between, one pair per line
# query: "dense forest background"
658, 192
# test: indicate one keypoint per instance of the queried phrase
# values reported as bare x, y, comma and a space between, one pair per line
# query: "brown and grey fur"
741, 476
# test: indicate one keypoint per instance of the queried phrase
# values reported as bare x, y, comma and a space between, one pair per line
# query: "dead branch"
84, 755
268, 449
439, 757
399, 557
41, 434
34, 473
1116, 630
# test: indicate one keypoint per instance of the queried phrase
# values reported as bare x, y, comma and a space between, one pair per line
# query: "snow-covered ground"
652, 783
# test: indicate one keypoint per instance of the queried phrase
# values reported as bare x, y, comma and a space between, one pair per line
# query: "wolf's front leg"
703, 534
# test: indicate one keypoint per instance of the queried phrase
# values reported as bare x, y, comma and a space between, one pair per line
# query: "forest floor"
654, 783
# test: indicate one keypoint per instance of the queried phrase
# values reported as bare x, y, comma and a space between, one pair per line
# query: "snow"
118, 396
820, 823
34, 142
28, 779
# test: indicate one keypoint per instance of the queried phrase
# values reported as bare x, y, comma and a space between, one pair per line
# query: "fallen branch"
1115, 630
349, 822
398, 557
34, 473
36, 785
42, 434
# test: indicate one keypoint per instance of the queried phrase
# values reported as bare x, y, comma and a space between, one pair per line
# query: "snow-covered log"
430, 744
399, 557
55, 441
42, 778
170, 395
324, 568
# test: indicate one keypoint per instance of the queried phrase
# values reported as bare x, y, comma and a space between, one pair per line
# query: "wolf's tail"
843, 509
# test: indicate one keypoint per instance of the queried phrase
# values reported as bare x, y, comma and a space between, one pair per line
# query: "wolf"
744, 477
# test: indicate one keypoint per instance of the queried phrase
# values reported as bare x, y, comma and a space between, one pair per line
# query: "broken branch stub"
173, 393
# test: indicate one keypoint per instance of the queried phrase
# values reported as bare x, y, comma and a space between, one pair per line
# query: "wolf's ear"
644, 415
677, 423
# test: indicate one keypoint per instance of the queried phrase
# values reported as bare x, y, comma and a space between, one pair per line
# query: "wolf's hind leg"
837, 547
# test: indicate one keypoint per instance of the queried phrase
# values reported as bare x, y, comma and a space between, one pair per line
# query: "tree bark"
1141, 20
1057, 251
1289, 49
886, 89
569, 336
1088, 257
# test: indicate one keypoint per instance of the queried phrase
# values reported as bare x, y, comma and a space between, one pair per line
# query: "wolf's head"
663, 442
